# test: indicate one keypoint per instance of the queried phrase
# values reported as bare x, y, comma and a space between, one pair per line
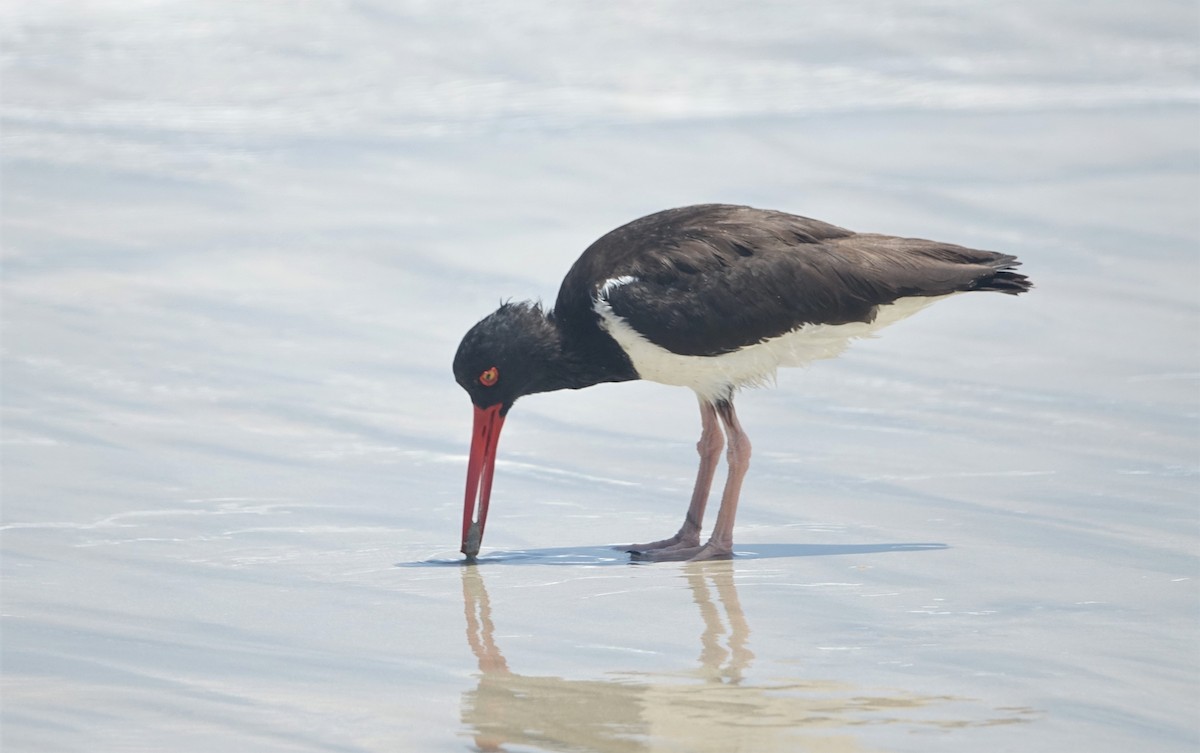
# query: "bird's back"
709, 279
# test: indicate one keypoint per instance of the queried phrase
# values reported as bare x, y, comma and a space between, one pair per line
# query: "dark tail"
1004, 280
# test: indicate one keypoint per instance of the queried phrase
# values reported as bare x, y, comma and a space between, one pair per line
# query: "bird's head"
508, 354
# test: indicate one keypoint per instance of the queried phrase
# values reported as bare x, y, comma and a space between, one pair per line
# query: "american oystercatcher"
712, 297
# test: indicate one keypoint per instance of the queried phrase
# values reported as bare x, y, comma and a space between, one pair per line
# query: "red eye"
489, 377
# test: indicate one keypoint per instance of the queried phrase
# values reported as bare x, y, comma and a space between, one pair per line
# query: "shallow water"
241, 243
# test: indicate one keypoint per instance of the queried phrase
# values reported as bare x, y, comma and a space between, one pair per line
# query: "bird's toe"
675, 542
712, 551
667, 554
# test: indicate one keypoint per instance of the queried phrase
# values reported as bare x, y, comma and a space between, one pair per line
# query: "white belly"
717, 377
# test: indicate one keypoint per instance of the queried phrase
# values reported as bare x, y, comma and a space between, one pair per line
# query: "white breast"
717, 377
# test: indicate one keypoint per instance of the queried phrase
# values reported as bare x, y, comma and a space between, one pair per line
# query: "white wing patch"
614, 282
717, 377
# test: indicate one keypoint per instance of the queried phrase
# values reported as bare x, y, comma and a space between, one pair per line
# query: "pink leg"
720, 543
709, 447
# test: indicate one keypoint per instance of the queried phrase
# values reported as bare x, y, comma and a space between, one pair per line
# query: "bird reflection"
544, 712
675, 712
718, 664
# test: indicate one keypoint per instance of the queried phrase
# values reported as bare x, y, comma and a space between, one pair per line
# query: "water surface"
241, 242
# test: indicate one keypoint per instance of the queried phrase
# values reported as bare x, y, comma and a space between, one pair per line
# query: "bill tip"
474, 538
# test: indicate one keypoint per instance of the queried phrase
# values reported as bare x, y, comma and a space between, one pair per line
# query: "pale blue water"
241, 242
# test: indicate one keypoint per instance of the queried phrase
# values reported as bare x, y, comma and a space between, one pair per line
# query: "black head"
510, 353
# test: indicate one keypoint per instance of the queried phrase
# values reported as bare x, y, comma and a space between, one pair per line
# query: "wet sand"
240, 246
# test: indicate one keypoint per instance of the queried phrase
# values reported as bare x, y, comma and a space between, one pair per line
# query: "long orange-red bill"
484, 437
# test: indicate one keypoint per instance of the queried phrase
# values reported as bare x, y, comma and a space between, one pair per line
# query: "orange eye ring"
489, 377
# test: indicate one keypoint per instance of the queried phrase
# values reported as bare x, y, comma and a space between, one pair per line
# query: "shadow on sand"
606, 555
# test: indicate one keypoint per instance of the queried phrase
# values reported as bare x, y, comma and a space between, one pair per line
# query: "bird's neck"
584, 356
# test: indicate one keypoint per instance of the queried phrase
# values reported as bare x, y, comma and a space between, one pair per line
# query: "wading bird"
712, 297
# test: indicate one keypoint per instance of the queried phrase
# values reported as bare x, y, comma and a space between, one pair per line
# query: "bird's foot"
677, 541
710, 551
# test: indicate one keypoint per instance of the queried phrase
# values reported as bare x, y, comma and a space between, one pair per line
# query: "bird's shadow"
605, 556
